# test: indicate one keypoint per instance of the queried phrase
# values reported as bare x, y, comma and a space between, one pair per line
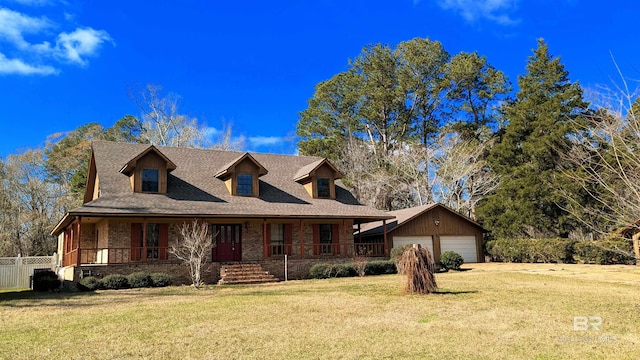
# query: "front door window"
227, 243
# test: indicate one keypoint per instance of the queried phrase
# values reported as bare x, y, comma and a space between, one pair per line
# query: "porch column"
143, 256
344, 236
301, 238
386, 243
265, 245
79, 238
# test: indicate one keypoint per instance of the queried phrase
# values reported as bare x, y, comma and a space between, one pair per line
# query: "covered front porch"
104, 241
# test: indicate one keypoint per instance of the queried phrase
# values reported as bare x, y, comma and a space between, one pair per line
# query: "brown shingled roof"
402, 217
305, 172
193, 190
224, 170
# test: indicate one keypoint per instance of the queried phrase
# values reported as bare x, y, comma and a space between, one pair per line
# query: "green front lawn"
492, 311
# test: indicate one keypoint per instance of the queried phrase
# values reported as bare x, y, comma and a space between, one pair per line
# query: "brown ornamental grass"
417, 265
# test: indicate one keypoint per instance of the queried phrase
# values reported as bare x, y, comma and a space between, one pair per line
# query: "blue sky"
253, 64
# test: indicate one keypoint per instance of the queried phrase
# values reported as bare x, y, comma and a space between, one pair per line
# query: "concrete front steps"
244, 274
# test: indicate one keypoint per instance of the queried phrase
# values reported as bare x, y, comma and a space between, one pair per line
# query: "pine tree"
528, 151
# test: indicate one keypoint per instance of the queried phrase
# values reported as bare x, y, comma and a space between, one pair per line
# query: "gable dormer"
319, 179
92, 187
148, 171
241, 176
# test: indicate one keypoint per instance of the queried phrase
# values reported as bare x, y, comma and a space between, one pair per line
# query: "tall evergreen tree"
476, 88
331, 119
527, 154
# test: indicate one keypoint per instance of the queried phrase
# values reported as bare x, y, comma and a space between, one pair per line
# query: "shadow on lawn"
454, 292
30, 298
37, 295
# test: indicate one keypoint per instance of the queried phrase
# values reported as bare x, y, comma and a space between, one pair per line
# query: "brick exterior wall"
87, 236
115, 234
119, 234
252, 241
178, 271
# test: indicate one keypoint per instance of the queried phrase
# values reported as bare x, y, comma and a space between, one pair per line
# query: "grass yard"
493, 311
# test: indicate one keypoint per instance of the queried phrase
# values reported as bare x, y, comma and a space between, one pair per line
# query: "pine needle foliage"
418, 266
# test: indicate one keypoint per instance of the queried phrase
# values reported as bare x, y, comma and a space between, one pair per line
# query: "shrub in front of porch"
325, 271
378, 267
139, 280
134, 280
161, 280
115, 282
89, 283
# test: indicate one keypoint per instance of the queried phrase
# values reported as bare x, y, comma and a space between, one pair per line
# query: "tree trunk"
636, 247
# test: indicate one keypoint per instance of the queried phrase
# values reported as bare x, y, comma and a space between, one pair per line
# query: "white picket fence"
15, 272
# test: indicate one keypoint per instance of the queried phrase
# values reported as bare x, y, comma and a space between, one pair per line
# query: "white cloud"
33, 2
13, 26
210, 132
16, 66
74, 46
71, 47
474, 10
256, 141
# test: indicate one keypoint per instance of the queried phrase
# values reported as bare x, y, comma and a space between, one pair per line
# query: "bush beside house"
378, 267
603, 252
117, 281
451, 260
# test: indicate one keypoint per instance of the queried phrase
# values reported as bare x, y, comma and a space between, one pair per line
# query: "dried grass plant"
417, 265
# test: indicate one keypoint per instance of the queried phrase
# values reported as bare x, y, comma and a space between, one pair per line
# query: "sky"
254, 64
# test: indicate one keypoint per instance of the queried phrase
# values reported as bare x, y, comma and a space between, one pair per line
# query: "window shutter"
268, 237
335, 238
316, 239
136, 239
163, 241
288, 238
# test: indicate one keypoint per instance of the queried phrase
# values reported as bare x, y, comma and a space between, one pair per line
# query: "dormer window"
150, 180
324, 189
241, 176
318, 178
148, 171
245, 184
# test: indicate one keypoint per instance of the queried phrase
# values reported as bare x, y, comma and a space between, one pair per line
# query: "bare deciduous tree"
604, 166
163, 125
194, 246
462, 177
30, 206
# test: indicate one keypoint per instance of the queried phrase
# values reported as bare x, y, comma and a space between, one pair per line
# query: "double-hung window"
150, 180
323, 188
245, 185
326, 239
277, 239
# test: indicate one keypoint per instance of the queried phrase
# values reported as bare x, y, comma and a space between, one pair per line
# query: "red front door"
227, 243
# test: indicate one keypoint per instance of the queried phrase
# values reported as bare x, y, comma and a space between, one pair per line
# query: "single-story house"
433, 226
260, 207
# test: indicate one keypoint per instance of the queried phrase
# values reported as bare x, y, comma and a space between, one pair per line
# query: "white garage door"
424, 241
463, 245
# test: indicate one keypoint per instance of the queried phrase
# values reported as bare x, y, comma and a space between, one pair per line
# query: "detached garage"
433, 226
